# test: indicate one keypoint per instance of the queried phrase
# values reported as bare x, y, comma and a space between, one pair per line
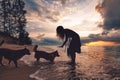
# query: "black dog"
12, 55
48, 56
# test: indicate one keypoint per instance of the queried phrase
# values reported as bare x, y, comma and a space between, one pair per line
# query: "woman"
73, 39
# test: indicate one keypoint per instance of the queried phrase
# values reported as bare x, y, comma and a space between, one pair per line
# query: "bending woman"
74, 42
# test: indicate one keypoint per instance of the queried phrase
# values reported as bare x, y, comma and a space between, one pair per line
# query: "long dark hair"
60, 32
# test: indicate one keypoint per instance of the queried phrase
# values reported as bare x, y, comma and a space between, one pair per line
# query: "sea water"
93, 63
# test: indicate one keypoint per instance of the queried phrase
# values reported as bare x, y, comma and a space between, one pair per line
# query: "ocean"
93, 63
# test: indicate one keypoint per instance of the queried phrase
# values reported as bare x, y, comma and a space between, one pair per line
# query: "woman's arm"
66, 39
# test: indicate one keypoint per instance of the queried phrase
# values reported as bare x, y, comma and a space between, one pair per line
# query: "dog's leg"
1, 61
52, 60
1, 64
15, 62
9, 62
37, 59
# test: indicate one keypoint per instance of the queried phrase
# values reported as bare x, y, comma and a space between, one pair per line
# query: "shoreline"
23, 72
96, 63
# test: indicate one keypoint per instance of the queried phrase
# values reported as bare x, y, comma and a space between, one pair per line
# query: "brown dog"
48, 56
12, 55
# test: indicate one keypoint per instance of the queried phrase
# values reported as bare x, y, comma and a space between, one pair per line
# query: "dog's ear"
25, 46
56, 51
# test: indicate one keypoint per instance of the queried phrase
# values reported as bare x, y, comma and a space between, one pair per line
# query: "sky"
93, 20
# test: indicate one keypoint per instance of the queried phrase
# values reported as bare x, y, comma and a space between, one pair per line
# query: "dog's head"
26, 51
56, 54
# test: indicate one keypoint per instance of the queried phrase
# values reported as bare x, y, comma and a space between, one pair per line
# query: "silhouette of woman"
74, 42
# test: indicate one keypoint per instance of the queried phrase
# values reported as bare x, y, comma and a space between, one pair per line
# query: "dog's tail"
35, 48
1, 43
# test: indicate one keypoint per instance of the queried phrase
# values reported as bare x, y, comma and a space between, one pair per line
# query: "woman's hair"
60, 32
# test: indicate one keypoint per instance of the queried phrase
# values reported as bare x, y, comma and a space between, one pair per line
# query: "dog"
13, 55
48, 56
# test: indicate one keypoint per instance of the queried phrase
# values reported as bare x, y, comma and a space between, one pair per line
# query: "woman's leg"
73, 57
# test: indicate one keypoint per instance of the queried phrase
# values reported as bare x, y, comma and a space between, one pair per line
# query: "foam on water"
35, 76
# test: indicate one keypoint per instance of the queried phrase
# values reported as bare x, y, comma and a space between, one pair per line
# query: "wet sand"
10, 72
94, 63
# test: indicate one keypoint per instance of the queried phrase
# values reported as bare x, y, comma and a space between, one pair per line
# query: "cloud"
47, 41
31, 5
112, 36
50, 10
43, 9
36, 27
109, 10
42, 16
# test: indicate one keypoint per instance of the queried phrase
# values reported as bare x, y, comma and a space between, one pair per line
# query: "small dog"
12, 55
48, 56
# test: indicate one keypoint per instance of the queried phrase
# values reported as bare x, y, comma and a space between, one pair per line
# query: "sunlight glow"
101, 43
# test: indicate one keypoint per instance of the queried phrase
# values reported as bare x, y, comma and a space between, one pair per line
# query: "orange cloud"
99, 8
102, 43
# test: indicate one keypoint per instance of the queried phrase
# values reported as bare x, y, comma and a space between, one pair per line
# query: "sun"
101, 43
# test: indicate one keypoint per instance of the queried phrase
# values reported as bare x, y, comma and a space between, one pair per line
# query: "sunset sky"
93, 20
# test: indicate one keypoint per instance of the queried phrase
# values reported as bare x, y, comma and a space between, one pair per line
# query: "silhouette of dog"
12, 55
42, 54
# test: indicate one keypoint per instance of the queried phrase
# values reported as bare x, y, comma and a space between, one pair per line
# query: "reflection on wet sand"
94, 63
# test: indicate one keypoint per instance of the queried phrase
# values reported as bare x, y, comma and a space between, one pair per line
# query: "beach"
10, 72
94, 63
13, 73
